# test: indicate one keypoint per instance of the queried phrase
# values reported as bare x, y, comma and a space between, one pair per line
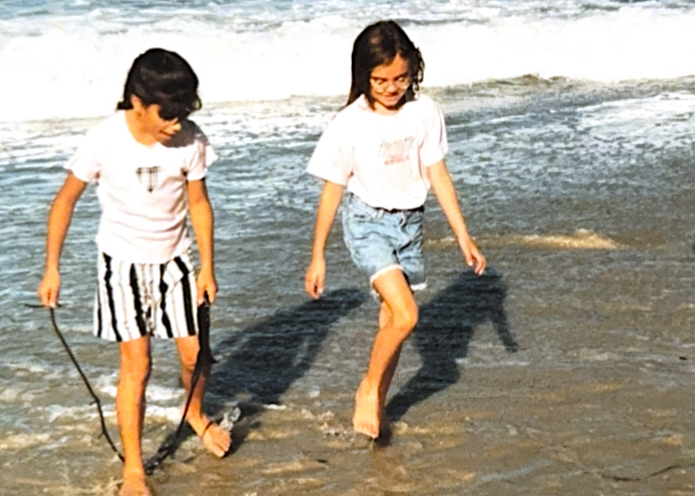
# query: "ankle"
367, 388
134, 470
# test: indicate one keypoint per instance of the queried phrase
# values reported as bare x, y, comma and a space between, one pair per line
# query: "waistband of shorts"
185, 255
353, 198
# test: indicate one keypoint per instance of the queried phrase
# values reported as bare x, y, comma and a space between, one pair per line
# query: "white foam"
638, 113
55, 412
75, 66
171, 414
10, 394
21, 441
156, 393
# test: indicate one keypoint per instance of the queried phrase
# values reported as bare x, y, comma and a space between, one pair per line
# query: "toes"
366, 428
217, 440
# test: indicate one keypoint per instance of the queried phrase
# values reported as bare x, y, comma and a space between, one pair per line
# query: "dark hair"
164, 78
379, 44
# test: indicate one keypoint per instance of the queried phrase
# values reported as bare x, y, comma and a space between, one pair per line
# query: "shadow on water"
446, 326
261, 362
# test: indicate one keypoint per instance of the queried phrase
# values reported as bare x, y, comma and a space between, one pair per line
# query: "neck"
133, 121
383, 110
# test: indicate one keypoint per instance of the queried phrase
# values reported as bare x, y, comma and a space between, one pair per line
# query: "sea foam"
68, 66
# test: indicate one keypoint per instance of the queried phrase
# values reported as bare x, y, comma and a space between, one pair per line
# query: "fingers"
204, 296
313, 284
208, 292
313, 287
48, 298
206, 288
318, 289
314, 279
475, 259
48, 289
480, 265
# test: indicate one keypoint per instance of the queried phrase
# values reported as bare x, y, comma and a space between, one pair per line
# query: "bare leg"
215, 438
371, 394
130, 409
385, 317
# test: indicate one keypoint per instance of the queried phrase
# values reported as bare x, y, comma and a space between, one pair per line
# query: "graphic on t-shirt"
148, 177
397, 151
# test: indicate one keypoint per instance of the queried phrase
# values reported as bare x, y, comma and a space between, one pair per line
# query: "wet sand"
565, 370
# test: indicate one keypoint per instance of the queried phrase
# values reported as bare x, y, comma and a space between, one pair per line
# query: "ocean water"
570, 127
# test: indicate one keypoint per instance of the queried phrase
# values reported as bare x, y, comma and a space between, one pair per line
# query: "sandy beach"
565, 370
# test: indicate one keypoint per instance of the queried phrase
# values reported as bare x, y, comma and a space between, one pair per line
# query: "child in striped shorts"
149, 164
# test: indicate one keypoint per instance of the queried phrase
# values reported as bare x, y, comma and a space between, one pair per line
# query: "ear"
136, 103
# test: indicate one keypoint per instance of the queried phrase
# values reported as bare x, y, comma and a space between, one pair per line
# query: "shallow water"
563, 369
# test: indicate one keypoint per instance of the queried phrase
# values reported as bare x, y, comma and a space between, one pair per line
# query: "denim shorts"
380, 240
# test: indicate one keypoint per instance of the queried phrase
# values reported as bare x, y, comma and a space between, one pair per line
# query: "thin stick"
104, 431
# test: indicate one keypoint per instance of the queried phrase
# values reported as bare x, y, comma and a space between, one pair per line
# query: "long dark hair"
165, 78
379, 44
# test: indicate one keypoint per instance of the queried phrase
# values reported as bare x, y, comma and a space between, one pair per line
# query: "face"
389, 84
151, 125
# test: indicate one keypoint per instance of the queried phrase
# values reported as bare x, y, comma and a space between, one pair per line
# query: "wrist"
52, 268
206, 268
463, 238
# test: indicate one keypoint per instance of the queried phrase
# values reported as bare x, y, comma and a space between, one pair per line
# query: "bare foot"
134, 485
366, 419
215, 438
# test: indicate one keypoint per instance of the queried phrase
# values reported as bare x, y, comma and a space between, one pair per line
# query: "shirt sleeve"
333, 157
435, 144
84, 164
203, 156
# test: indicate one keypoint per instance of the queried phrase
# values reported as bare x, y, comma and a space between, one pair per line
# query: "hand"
206, 284
315, 277
49, 288
472, 255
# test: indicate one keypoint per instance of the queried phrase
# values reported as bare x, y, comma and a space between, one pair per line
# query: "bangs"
177, 105
172, 109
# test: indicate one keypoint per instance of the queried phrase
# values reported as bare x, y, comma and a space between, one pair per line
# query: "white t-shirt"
382, 159
141, 189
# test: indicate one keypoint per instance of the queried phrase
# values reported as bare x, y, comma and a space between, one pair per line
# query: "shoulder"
350, 115
350, 111
190, 136
425, 105
107, 127
105, 138
425, 110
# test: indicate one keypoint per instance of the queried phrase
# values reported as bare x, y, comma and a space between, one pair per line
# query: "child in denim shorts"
387, 147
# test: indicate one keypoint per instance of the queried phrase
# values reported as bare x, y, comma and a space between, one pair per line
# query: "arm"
328, 206
58, 224
446, 195
202, 220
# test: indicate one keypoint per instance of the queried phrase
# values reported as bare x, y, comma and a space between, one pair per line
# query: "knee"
136, 369
188, 352
188, 361
405, 320
135, 357
136, 373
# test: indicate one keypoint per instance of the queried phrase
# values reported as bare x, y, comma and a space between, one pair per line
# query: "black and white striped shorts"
135, 300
